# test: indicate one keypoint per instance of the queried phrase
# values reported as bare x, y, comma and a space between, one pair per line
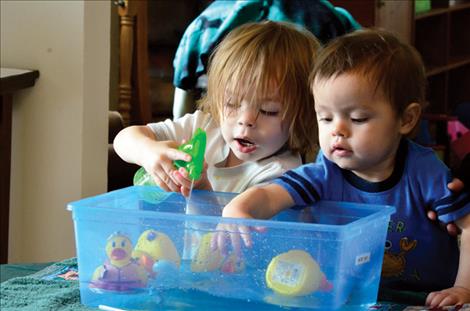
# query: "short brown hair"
254, 58
394, 67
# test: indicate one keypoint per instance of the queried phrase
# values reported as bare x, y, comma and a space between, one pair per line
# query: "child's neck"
232, 160
381, 171
376, 174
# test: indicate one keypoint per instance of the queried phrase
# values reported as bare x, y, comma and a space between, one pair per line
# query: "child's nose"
340, 129
247, 117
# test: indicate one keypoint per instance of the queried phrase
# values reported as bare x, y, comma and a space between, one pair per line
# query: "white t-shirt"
226, 179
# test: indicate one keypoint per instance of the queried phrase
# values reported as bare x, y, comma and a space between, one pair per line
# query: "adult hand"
456, 186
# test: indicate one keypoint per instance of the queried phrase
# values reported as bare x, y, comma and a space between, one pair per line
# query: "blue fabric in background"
320, 17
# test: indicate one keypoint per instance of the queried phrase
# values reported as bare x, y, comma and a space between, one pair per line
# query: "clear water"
177, 292
192, 300
188, 199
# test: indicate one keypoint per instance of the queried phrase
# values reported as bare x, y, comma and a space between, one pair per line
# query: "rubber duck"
153, 246
119, 272
295, 273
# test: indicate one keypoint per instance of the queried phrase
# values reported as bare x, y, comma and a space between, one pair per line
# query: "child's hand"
232, 236
182, 177
456, 186
159, 164
450, 296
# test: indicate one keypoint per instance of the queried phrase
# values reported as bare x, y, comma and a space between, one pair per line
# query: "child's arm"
138, 144
460, 293
259, 202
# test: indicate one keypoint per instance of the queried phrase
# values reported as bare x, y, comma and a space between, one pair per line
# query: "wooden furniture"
150, 32
441, 36
133, 72
11, 81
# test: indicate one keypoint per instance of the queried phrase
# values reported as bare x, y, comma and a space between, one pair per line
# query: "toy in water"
295, 273
196, 147
119, 272
207, 260
152, 247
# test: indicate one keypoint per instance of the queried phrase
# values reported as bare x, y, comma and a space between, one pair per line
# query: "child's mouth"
245, 145
244, 142
341, 152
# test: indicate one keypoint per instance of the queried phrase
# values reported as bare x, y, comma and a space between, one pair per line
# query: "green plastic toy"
196, 148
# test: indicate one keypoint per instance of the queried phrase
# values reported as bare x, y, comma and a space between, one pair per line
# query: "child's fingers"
214, 241
235, 239
259, 229
184, 173
448, 301
185, 191
175, 154
444, 297
181, 177
433, 299
165, 181
221, 243
245, 236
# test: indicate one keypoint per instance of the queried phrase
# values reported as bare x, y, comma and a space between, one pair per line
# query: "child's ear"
410, 118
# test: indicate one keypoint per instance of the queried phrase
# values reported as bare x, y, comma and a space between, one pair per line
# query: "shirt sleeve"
304, 184
182, 128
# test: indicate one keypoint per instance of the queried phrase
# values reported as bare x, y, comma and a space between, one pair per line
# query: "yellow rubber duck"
153, 246
119, 272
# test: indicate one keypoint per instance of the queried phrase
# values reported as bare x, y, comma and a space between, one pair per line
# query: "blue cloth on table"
41, 290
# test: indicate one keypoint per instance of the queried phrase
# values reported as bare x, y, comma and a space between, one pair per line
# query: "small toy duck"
296, 273
152, 247
119, 272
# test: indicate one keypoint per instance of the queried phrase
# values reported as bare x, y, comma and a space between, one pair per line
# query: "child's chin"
248, 157
344, 164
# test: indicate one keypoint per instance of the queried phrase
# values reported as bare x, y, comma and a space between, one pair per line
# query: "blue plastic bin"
141, 248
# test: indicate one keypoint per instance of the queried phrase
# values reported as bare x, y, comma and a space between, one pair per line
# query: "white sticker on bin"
362, 258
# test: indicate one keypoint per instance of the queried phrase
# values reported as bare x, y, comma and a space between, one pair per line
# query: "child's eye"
359, 120
231, 106
269, 113
324, 119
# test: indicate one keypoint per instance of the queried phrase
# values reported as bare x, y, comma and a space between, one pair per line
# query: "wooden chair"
134, 104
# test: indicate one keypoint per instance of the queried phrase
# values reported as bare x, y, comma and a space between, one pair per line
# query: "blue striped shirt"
419, 254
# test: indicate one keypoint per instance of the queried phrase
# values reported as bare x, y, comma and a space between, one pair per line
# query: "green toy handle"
196, 148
